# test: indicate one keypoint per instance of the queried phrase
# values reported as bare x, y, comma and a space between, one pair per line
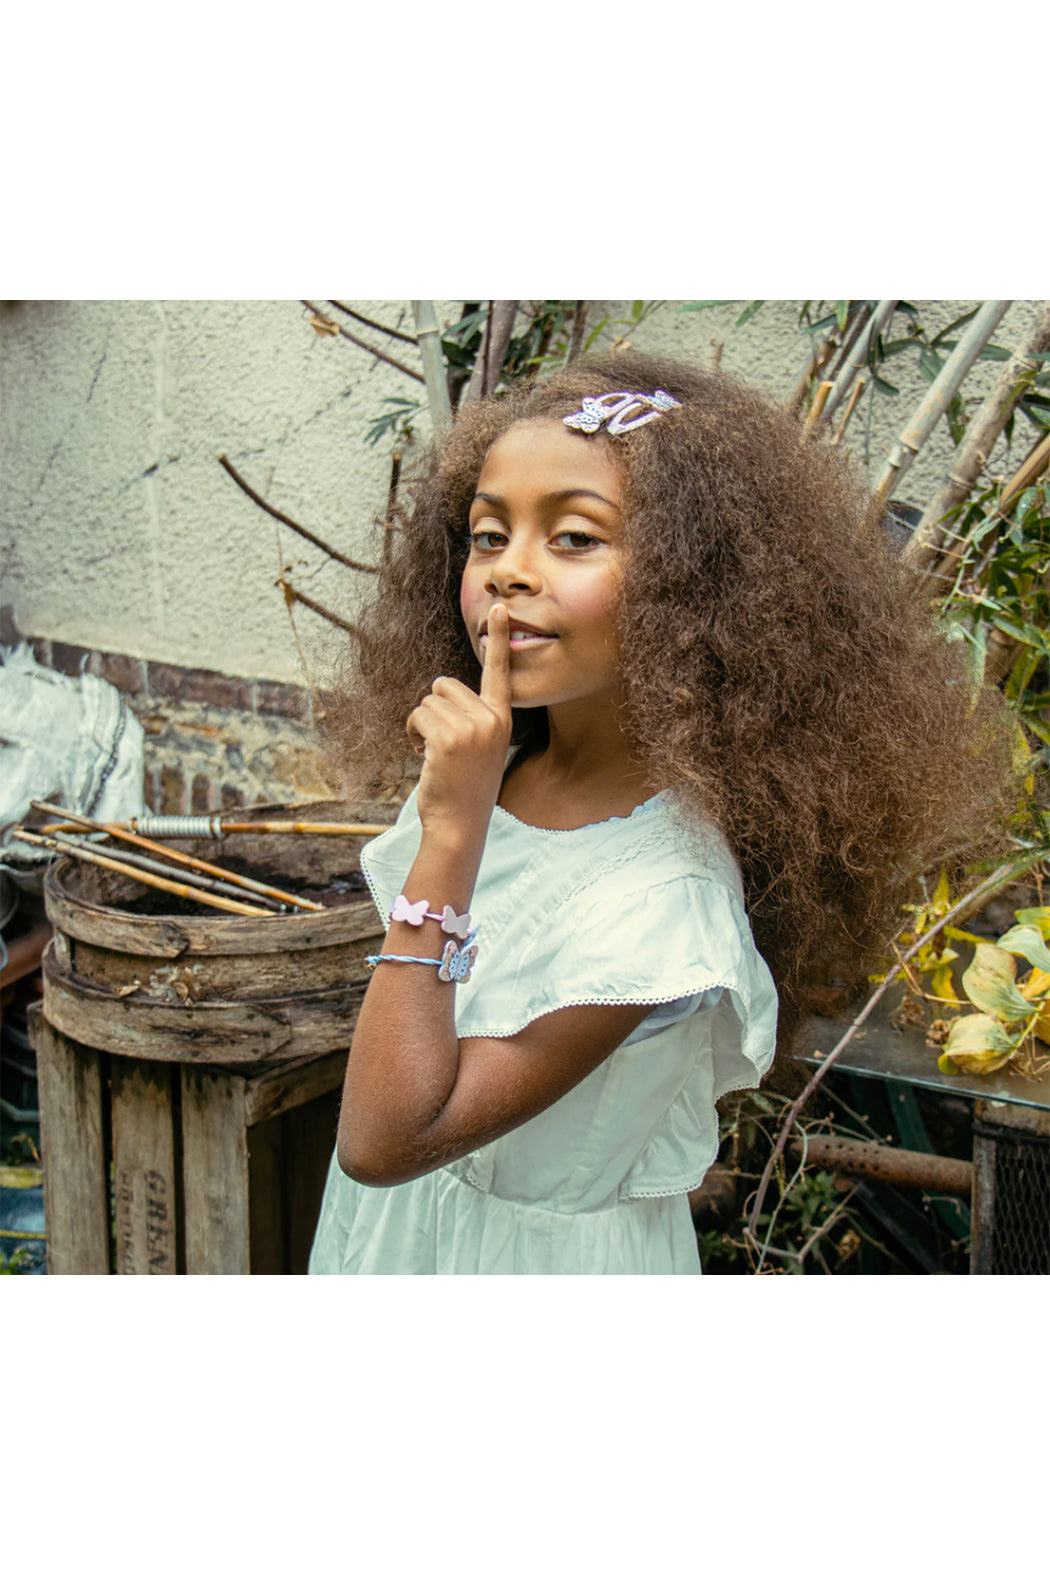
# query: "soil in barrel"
337, 892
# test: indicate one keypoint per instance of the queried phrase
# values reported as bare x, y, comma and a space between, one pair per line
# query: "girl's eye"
577, 540
486, 540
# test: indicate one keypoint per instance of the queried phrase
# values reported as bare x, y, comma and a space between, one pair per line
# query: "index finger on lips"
495, 673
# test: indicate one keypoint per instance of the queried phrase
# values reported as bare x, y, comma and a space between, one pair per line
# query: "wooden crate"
152, 1167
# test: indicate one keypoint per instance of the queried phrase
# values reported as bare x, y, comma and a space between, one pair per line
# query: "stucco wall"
122, 532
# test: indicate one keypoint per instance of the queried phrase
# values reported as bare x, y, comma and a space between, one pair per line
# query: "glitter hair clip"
596, 413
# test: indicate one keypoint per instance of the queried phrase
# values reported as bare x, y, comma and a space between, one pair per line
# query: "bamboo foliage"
983, 432
858, 356
936, 401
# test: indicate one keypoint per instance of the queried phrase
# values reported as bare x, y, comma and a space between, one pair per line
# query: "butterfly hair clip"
595, 413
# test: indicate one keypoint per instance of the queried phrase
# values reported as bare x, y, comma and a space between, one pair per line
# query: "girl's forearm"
405, 1055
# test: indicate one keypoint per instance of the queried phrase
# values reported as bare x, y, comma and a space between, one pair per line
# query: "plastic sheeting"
72, 741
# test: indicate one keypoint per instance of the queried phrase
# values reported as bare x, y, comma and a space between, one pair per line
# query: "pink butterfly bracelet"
415, 912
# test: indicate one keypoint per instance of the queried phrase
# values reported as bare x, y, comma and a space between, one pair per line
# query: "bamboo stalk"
934, 403
428, 335
971, 457
1029, 471
312, 828
857, 357
176, 856
222, 888
858, 389
176, 888
821, 355
820, 399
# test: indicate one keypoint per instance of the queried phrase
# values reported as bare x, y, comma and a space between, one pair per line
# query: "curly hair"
784, 673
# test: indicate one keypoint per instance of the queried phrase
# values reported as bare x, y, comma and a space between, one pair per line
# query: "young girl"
687, 733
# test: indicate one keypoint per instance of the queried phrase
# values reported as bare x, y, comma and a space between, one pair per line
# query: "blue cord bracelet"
453, 966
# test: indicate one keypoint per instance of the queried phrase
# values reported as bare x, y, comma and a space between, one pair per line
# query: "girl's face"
547, 540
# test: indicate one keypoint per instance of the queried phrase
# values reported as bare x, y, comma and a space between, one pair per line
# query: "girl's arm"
415, 1096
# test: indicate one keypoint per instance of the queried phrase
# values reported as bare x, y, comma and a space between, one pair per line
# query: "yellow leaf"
1041, 1026
963, 935
976, 1043
941, 984
1040, 917
989, 983
1037, 984
943, 892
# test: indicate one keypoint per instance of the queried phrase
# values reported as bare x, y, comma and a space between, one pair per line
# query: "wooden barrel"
137, 973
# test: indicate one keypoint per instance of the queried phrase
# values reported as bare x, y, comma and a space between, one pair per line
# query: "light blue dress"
628, 910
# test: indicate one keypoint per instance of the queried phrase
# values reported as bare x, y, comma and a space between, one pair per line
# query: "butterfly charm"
589, 418
456, 963
409, 912
455, 924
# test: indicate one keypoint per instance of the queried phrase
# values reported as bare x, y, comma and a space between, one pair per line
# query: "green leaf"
841, 314
995, 353
950, 329
749, 311
1024, 940
989, 983
881, 382
701, 306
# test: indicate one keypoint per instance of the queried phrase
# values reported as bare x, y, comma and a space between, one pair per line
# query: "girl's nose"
514, 570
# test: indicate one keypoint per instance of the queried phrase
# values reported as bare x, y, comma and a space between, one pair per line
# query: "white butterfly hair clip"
597, 412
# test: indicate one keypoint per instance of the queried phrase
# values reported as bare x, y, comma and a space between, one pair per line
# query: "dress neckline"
658, 799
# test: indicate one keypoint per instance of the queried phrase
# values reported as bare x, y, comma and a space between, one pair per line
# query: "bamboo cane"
822, 354
176, 888
311, 828
176, 856
851, 404
934, 403
222, 888
1029, 471
489, 363
820, 399
971, 457
857, 357
428, 336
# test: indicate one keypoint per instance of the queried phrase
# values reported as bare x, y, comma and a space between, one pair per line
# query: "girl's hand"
464, 738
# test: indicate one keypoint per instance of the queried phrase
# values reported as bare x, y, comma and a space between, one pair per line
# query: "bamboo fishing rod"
216, 826
176, 888
222, 888
176, 856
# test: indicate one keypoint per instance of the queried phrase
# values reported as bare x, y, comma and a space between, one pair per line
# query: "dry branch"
380, 355
307, 535
395, 333
489, 363
292, 595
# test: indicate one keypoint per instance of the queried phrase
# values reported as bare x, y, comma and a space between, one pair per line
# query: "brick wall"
212, 741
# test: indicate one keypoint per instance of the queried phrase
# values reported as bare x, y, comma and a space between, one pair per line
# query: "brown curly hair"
783, 671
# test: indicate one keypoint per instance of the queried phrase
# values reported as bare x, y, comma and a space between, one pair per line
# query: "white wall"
122, 532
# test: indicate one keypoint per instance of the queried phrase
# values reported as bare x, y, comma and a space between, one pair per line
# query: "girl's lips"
524, 640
